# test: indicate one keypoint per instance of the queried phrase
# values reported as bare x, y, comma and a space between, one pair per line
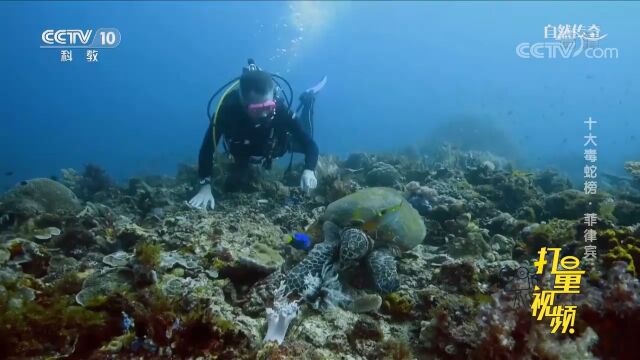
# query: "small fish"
300, 241
510, 112
127, 322
8, 173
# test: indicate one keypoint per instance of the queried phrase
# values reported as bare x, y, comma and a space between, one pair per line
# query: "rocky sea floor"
93, 269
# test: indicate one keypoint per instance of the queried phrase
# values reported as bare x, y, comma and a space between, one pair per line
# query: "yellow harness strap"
215, 116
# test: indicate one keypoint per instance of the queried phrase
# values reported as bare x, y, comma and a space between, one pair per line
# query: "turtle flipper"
315, 260
382, 266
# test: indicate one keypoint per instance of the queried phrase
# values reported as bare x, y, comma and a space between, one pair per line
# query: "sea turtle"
377, 225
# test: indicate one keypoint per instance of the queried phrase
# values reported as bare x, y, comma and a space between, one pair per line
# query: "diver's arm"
309, 146
205, 159
204, 198
308, 179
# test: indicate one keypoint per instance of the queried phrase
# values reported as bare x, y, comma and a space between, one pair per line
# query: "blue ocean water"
396, 72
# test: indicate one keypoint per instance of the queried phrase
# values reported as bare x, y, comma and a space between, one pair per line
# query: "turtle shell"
383, 213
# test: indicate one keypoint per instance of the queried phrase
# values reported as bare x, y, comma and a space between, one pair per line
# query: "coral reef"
93, 269
467, 132
358, 161
39, 196
550, 181
383, 174
623, 246
633, 168
626, 212
94, 180
570, 204
397, 305
556, 233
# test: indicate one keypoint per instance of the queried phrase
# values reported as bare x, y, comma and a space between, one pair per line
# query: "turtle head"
354, 245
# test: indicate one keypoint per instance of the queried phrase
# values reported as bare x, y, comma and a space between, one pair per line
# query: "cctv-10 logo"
101, 38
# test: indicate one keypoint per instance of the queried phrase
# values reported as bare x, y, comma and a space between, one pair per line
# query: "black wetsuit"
247, 138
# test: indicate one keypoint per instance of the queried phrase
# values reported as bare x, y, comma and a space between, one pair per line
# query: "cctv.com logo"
75, 38
558, 50
568, 41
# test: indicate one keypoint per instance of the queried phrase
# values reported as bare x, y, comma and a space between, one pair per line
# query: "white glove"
308, 181
203, 198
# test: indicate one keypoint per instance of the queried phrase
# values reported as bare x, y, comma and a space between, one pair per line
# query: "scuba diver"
257, 126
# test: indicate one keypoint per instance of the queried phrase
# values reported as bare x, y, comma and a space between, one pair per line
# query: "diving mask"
262, 109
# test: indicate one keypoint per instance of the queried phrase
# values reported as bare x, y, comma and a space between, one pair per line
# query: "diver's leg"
305, 112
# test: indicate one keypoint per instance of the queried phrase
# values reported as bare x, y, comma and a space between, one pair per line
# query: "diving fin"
304, 113
317, 87
308, 97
